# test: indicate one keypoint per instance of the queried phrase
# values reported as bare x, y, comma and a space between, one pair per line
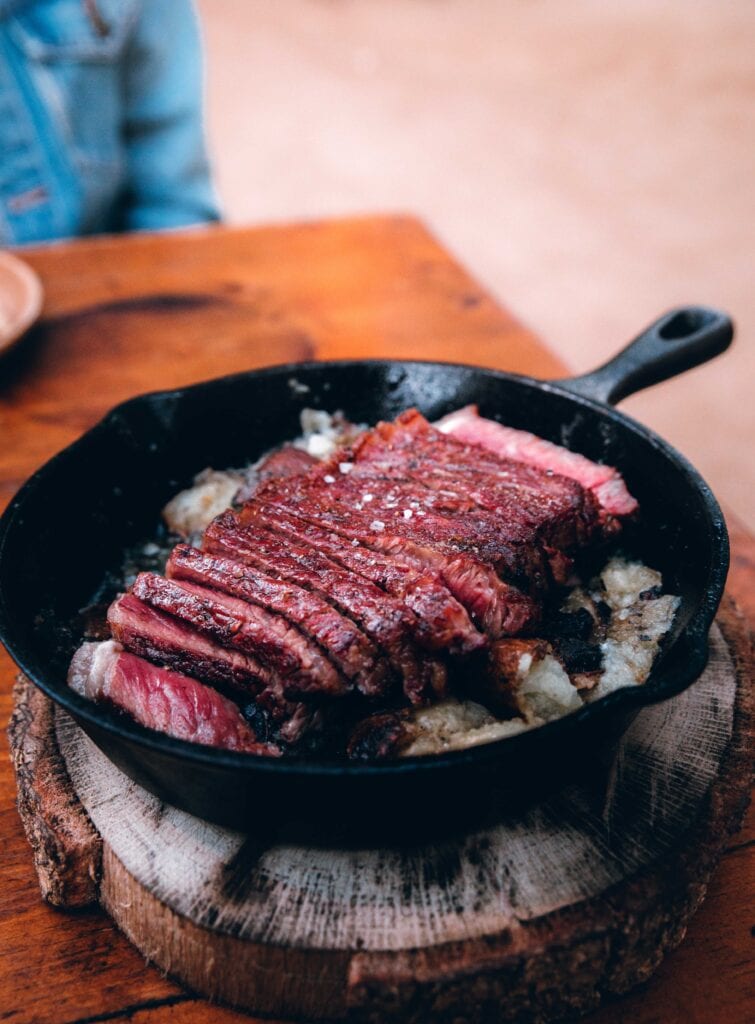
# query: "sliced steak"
440, 622
557, 510
163, 640
543, 528
161, 699
454, 520
285, 461
496, 607
605, 482
411, 511
297, 662
382, 618
350, 649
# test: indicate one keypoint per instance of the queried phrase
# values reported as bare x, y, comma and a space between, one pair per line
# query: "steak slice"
548, 532
605, 482
450, 524
439, 622
351, 650
454, 520
285, 461
381, 617
163, 640
557, 510
161, 699
298, 663
499, 608
496, 607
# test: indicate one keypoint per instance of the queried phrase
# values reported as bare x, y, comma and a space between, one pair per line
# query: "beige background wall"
591, 162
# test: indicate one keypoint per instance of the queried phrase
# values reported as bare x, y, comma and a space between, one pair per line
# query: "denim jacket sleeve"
100, 118
167, 172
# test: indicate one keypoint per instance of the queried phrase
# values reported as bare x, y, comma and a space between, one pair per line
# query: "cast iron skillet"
69, 524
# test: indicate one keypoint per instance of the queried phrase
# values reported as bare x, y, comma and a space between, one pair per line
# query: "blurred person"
100, 118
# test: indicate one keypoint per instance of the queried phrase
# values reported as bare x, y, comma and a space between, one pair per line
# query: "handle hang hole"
686, 323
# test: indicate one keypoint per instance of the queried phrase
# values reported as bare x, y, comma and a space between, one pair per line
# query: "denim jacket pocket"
74, 53
72, 30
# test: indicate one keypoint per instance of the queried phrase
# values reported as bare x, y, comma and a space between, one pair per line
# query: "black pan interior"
70, 524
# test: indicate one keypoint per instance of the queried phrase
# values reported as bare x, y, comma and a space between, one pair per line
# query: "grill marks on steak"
383, 619
495, 606
439, 622
449, 524
553, 509
351, 650
299, 665
162, 699
163, 640
605, 482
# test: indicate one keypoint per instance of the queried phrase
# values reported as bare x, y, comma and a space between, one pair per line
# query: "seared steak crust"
382, 618
163, 640
495, 606
554, 509
242, 575
449, 524
440, 622
298, 663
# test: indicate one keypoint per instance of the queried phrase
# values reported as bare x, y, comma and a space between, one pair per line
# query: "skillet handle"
679, 340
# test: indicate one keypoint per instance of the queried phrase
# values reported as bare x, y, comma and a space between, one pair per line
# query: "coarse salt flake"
377, 525
366, 498
329, 479
408, 513
319, 446
345, 467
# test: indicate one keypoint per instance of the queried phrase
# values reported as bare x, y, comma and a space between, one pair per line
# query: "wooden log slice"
544, 914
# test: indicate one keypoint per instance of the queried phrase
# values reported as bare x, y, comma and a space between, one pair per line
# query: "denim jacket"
100, 118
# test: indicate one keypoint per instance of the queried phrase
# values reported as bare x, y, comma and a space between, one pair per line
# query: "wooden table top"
127, 315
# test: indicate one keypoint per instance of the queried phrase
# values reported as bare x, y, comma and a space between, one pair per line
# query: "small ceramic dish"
20, 299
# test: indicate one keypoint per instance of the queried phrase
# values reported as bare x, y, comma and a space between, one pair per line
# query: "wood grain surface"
142, 313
